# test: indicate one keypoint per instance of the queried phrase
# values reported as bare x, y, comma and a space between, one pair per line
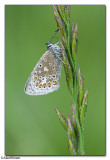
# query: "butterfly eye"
49, 45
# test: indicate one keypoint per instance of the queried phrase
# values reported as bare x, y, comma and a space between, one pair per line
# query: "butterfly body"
45, 76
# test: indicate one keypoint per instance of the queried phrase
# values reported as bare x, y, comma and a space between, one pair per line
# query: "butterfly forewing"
45, 76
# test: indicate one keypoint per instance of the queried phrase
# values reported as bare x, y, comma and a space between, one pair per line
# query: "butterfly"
45, 76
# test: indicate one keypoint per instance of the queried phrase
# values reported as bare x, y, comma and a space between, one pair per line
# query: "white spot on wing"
43, 80
39, 71
45, 69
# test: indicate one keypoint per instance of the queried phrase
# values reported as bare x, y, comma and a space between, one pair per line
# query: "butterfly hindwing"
45, 76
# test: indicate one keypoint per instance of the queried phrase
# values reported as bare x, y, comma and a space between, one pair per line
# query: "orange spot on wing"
34, 74
37, 84
35, 79
49, 84
44, 85
40, 85
55, 82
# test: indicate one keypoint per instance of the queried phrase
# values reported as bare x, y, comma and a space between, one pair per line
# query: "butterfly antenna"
53, 35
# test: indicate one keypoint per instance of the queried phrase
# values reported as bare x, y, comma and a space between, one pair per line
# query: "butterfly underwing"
45, 76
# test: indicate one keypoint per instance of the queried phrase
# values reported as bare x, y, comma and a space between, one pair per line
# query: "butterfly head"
54, 48
49, 45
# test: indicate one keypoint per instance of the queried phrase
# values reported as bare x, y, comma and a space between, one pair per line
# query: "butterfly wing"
45, 76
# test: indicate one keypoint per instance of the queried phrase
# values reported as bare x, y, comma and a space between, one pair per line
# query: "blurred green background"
31, 124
